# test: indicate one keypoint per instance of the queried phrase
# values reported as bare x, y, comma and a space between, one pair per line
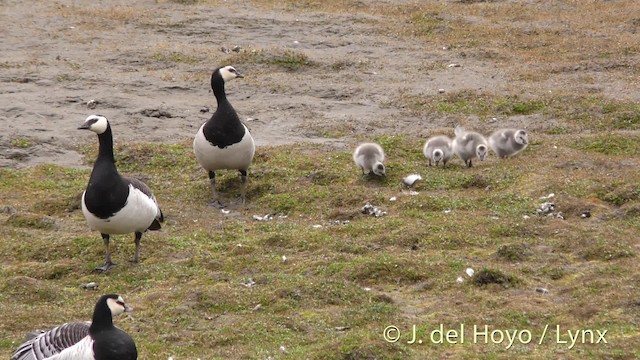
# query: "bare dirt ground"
147, 68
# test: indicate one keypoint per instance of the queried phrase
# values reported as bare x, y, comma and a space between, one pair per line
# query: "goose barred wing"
51, 342
139, 185
147, 191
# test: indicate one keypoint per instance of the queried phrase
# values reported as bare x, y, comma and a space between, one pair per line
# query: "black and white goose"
115, 204
437, 149
469, 145
224, 142
508, 142
370, 157
95, 340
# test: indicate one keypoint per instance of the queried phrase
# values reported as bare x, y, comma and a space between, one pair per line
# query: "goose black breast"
224, 133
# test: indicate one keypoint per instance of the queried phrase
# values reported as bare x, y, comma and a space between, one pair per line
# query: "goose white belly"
83, 350
235, 156
137, 215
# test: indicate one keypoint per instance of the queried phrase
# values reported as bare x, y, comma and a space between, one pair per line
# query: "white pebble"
469, 272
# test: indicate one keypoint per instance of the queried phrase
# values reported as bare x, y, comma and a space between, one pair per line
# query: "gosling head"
379, 169
438, 155
521, 137
482, 151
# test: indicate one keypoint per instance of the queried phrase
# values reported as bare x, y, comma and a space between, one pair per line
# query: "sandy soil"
58, 56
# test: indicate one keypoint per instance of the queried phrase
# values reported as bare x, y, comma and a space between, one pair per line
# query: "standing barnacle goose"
224, 142
469, 145
114, 204
369, 157
508, 142
438, 148
95, 340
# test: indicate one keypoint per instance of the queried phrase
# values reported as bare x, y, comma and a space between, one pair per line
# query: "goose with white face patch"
95, 340
370, 157
469, 145
115, 204
508, 142
224, 142
437, 149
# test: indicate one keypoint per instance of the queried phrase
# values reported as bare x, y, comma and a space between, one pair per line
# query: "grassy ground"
328, 280
353, 271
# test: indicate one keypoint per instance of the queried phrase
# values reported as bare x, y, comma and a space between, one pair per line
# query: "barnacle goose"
115, 204
224, 142
95, 340
469, 145
508, 142
438, 148
370, 157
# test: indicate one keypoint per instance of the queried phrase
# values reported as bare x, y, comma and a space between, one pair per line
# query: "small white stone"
469, 272
411, 180
441, 91
393, 198
317, 226
284, 258
460, 280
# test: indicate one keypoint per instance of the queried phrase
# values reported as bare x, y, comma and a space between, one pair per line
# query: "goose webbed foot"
106, 267
216, 204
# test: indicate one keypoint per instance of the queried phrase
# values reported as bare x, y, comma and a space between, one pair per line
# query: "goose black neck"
102, 318
105, 151
217, 85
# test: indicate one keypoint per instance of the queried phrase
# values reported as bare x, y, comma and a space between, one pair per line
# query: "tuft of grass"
174, 57
607, 250
494, 276
32, 221
513, 252
288, 59
22, 143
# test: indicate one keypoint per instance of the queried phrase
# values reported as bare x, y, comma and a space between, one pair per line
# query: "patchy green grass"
282, 59
326, 279
22, 143
610, 144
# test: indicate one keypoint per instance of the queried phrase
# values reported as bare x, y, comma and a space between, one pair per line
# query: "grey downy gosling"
438, 149
469, 145
508, 142
370, 158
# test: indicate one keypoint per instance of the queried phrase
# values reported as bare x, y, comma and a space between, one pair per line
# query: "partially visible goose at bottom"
115, 204
95, 340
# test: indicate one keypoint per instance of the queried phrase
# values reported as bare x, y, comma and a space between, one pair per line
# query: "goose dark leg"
430, 163
107, 258
136, 256
214, 195
470, 164
243, 178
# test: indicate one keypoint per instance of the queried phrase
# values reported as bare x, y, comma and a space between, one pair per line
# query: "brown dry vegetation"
566, 70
